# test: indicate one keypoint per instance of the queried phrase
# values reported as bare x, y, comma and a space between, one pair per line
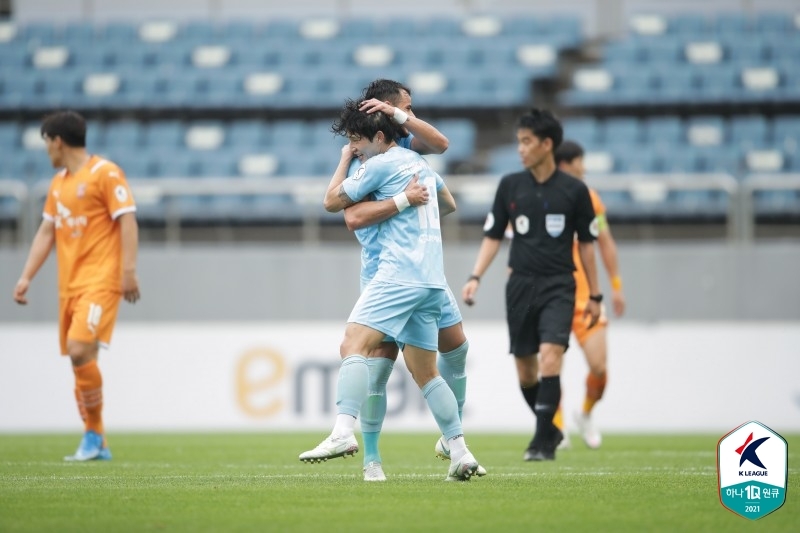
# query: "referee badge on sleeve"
489, 224
554, 224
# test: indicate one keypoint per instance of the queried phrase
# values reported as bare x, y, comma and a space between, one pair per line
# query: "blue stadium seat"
462, 134
748, 131
9, 136
95, 135
625, 131
215, 164
732, 24
126, 134
786, 134
246, 134
165, 135
689, 25
289, 133
676, 85
584, 130
173, 164
773, 23
720, 83
503, 159
727, 159
776, 202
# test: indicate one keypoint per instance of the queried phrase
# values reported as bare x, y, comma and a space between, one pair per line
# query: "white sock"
458, 448
344, 427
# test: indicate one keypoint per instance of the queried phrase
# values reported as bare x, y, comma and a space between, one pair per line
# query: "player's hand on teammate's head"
372, 105
20, 289
417, 193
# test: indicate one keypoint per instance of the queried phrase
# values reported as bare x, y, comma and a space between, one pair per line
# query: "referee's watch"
596, 297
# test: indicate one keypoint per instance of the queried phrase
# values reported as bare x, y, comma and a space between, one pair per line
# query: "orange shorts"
580, 325
87, 317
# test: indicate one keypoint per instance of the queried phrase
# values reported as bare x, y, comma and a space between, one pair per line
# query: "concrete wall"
702, 281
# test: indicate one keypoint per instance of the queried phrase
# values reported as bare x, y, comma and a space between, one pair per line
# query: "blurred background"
219, 111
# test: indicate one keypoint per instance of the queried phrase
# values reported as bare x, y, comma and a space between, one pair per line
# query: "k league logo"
752, 470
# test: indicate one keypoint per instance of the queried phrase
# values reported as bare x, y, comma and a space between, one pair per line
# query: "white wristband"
399, 116
401, 201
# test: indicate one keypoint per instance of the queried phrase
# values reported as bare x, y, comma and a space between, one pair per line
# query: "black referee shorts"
539, 309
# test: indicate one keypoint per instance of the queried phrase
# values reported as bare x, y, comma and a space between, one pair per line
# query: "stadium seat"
127, 135
748, 132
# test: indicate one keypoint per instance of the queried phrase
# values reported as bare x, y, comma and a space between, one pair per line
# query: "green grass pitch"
254, 482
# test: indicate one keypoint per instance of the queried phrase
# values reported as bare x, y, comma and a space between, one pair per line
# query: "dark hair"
68, 125
543, 124
384, 90
568, 152
353, 121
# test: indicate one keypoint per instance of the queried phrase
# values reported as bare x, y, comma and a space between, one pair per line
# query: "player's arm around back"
368, 212
40, 248
129, 231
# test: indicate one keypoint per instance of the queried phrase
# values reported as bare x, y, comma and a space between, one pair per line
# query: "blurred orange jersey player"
569, 157
89, 215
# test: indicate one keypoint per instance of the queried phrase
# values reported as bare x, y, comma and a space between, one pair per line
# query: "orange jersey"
84, 208
581, 285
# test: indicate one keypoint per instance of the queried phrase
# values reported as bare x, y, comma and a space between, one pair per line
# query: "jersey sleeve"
497, 219
585, 220
405, 142
363, 181
439, 181
116, 192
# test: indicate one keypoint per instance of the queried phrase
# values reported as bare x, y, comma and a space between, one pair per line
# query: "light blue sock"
453, 368
374, 409
351, 388
443, 405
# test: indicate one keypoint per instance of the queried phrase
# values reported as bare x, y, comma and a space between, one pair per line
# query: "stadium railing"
173, 202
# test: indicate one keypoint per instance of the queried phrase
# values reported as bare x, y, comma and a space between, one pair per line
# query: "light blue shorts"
451, 315
408, 314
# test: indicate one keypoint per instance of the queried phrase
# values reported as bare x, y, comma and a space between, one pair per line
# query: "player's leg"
453, 348
420, 337
556, 304
524, 338
580, 330
595, 348
381, 310
91, 323
380, 362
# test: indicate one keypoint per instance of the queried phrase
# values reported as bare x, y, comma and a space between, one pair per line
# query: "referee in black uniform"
546, 208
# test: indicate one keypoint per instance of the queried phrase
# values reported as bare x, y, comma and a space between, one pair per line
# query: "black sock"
547, 403
529, 393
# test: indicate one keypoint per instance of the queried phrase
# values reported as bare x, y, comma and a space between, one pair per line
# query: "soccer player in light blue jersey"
394, 99
405, 297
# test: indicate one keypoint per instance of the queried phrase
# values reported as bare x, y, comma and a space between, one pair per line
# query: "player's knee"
81, 352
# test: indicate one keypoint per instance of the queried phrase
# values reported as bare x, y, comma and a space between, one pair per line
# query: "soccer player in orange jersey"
89, 215
569, 157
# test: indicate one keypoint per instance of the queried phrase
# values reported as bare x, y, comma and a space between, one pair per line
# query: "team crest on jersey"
360, 172
81, 192
121, 193
554, 224
523, 224
489, 224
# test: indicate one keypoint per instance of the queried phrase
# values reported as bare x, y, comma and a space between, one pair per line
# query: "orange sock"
558, 419
89, 393
595, 386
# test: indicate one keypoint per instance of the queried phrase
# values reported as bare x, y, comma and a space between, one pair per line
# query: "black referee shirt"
545, 217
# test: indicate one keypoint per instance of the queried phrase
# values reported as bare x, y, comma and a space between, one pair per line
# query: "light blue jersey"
368, 237
409, 244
